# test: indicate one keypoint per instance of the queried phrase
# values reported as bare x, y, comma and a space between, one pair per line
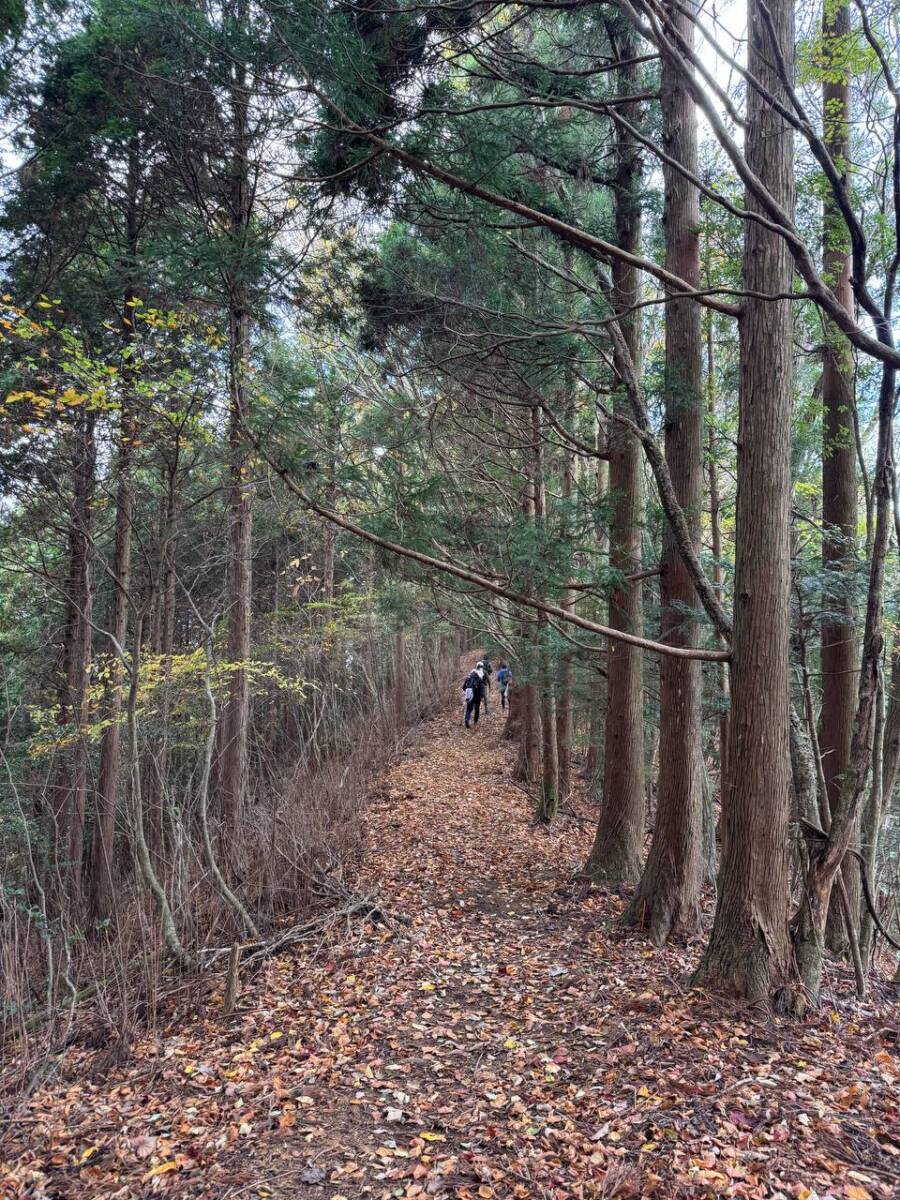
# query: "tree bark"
329, 532
156, 748
871, 828
548, 802
749, 952
667, 899
827, 853
715, 525
528, 765
565, 706
839, 658
593, 766
233, 765
106, 803
878, 803
69, 791
103, 833
233, 762
615, 856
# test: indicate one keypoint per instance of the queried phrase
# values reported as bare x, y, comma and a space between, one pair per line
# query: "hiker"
473, 693
488, 672
504, 679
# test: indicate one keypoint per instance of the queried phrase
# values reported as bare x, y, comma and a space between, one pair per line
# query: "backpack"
472, 686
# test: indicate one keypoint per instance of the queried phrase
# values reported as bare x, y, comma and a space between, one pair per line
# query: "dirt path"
508, 1041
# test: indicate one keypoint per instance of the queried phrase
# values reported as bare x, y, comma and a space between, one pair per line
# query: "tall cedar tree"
749, 953
667, 897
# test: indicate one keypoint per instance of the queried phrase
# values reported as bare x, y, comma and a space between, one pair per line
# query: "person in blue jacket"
504, 679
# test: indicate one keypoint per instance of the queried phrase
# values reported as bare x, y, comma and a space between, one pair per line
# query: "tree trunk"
69, 792
877, 806
892, 727
565, 706
103, 833
329, 531
708, 827
593, 765
749, 952
667, 899
156, 748
398, 675
233, 765
617, 850
871, 828
548, 803
845, 796
512, 730
827, 853
839, 659
715, 525
528, 766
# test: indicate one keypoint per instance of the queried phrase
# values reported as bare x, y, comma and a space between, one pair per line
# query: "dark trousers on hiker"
473, 706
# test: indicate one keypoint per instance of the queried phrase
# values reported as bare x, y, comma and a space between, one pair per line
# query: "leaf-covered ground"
509, 1041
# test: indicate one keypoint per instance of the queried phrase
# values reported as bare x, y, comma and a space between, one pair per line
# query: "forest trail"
503, 1040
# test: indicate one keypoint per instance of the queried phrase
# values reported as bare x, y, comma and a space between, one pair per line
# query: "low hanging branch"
488, 585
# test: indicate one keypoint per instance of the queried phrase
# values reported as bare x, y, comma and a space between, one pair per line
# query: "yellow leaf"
643, 1091
89, 1153
852, 1192
162, 1169
427, 986
427, 1136
510, 1043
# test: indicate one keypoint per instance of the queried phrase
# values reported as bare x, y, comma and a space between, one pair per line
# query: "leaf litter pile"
501, 1039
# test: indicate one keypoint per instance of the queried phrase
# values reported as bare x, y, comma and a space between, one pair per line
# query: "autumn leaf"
161, 1169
